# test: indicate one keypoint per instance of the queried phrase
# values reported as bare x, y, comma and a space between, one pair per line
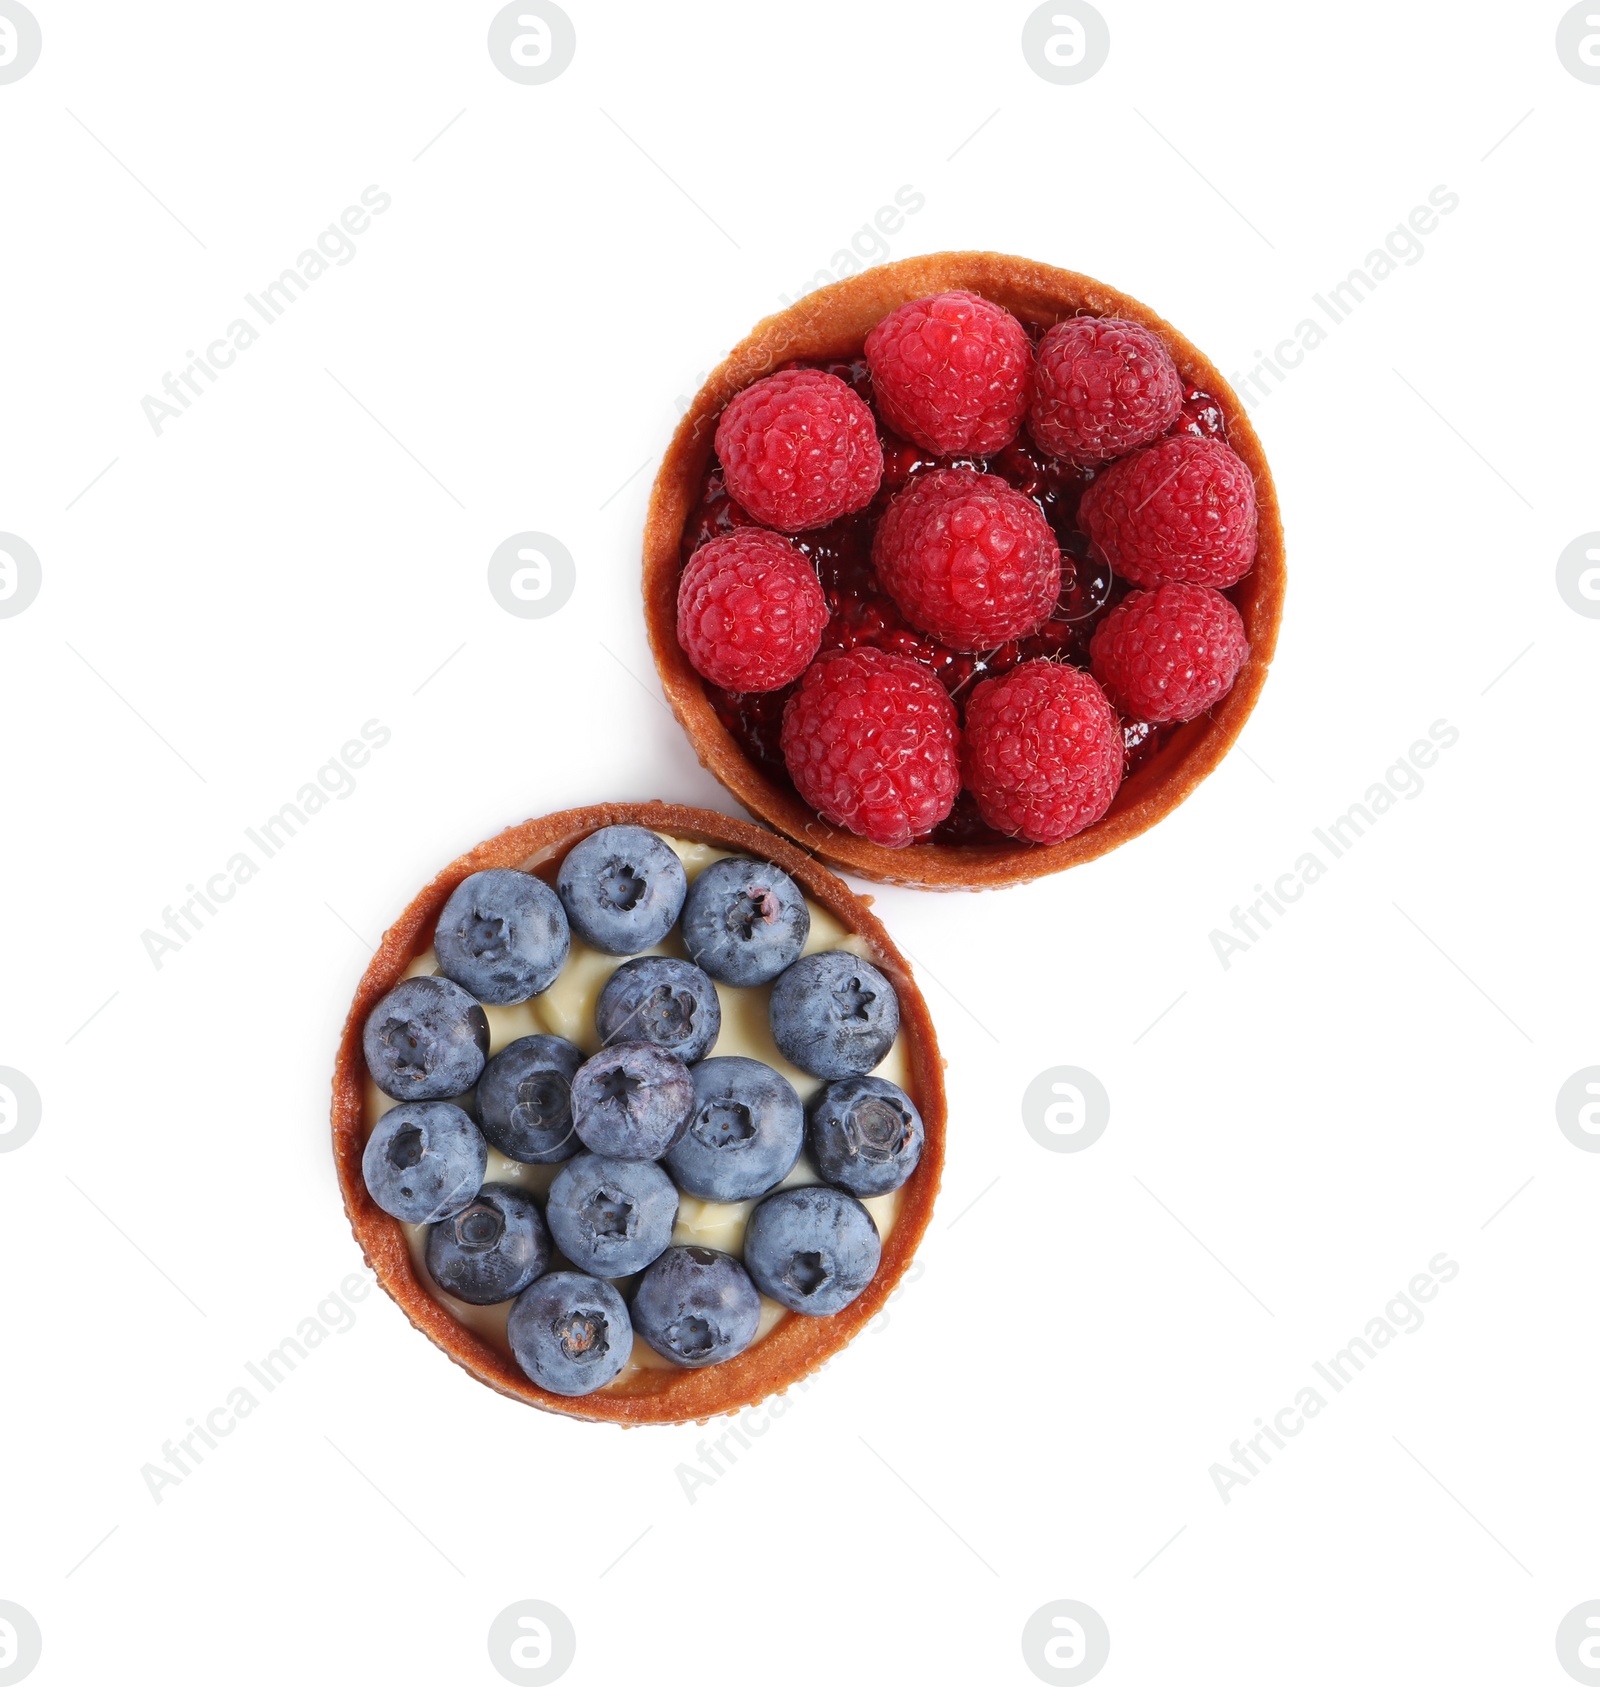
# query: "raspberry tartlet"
1046, 448
638, 1113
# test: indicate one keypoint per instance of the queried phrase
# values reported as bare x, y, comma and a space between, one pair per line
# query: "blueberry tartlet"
963, 570
638, 1113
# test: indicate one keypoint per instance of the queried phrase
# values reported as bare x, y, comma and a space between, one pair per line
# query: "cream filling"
566, 1009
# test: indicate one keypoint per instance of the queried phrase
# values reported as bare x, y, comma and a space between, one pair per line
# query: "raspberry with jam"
863, 616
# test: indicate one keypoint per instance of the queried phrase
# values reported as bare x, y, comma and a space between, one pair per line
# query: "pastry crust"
798, 1345
833, 322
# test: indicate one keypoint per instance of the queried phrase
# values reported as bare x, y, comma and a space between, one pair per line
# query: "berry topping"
491, 1250
653, 1136
870, 742
1184, 509
967, 558
502, 935
951, 372
525, 1100
424, 1161
1169, 654
865, 1135
570, 1333
985, 547
656, 999
697, 1307
833, 1014
631, 1101
750, 611
1043, 751
799, 449
744, 1135
1102, 387
622, 888
744, 921
812, 1250
425, 1040
611, 1217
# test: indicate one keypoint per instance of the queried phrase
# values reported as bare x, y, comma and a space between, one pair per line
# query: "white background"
304, 548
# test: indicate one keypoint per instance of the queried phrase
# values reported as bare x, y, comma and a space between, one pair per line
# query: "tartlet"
798, 1345
832, 323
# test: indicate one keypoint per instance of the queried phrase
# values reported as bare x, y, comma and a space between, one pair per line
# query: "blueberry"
744, 1134
502, 935
424, 1161
570, 1333
525, 1100
632, 1101
492, 1249
426, 1039
659, 1000
622, 888
834, 1015
611, 1217
744, 921
697, 1307
865, 1135
812, 1249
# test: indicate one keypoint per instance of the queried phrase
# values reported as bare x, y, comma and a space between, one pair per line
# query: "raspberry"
1184, 509
967, 558
1102, 387
750, 611
1169, 654
870, 743
951, 372
799, 449
1043, 751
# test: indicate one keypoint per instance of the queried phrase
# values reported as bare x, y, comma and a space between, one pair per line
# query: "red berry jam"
862, 614
1201, 416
